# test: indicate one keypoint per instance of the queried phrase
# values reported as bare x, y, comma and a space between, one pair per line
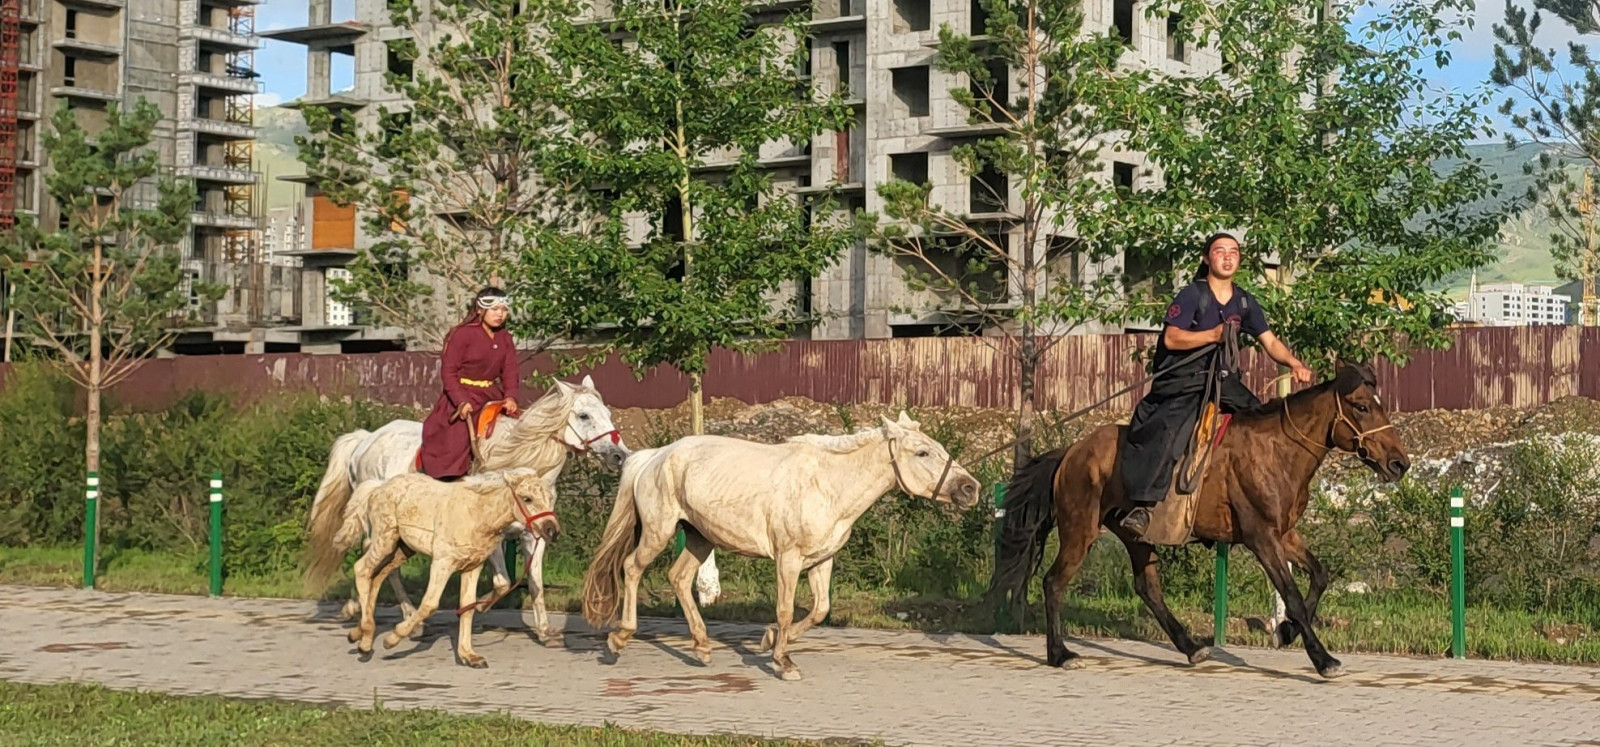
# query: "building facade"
1514, 305
192, 59
880, 55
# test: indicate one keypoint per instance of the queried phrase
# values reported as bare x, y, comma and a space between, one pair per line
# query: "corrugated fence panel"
1487, 367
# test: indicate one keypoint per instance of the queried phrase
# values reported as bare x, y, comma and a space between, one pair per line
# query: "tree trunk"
11, 320
1026, 393
96, 378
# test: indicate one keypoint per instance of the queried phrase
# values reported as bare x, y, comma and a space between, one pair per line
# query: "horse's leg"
1077, 536
821, 578
382, 556
1147, 581
788, 579
467, 589
652, 540
1269, 552
547, 633
683, 574
1295, 547
439, 572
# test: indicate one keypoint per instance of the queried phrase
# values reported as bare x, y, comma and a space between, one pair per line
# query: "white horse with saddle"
794, 502
568, 419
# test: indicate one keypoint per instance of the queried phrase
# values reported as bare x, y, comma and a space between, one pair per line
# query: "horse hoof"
616, 643
475, 661
555, 640
1285, 634
1333, 670
349, 611
365, 647
391, 640
354, 635
704, 655
1200, 654
790, 675
769, 639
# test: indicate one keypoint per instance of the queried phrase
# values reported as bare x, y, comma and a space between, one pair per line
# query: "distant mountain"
276, 128
1524, 250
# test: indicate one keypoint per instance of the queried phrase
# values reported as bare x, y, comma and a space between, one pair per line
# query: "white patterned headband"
489, 302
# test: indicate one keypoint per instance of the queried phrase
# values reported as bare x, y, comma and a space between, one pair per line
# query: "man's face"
1223, 258
495, 317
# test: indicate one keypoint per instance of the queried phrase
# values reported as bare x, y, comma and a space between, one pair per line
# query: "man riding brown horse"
1207, 313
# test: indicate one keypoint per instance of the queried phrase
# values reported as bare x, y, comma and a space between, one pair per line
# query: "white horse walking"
567, 419
793, 502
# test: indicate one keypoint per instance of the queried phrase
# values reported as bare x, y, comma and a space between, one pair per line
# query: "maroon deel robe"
469, 353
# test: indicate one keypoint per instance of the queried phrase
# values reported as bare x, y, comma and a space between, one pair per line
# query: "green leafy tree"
1014, 260
672, 104
104, 289
1318, 140
446, 181
1553, 99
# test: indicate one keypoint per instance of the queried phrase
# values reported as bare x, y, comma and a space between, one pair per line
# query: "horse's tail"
1030, 515
602, 583
328, 513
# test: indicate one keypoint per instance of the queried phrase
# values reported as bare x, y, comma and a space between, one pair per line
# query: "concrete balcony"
337, 37
94, 4
220, 174
86, 48
74, 91
220, 82
219, 128
221, 219
221, 38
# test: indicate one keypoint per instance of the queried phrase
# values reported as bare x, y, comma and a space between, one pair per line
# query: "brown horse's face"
1361, 425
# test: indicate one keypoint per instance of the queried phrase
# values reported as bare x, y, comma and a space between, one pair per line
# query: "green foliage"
1554, 100
654, 95
111, 270
1317, 142
446, 185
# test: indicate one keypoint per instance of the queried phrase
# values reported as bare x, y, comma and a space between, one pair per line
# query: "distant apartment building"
1514, 305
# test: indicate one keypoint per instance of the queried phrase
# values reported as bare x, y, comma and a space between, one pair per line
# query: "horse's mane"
545, 417
842, 444
1347, 378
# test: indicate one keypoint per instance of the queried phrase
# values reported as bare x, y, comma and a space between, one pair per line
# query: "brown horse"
1254, 493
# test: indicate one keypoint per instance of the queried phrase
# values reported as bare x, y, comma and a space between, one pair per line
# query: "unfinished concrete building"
193, 59
880, 54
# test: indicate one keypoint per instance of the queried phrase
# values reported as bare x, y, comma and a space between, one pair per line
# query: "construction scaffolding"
241, 246
10, 68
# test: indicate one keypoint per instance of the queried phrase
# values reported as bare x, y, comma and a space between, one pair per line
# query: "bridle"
1341, 417
583, 444
900, 480
528, 520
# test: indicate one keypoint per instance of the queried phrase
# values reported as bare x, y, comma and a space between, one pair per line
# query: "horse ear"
588, 381
906, 420
891, 427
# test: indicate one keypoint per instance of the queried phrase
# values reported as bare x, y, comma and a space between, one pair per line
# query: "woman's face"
495, 317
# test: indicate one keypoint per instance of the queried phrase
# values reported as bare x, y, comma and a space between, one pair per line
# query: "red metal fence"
1486, 367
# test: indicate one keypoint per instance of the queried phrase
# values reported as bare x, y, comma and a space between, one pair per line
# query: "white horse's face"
589, 427
921, 462
529, 489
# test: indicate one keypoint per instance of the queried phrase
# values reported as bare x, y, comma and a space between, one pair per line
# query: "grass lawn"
1382, 621
72, 714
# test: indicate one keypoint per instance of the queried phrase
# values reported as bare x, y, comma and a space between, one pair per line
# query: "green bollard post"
1002, 612
90, 521
1458, 575
1219, 603
216, 534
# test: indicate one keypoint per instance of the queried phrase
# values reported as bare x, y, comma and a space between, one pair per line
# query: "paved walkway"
903, 688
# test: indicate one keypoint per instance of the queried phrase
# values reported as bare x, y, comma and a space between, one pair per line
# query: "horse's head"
589, 427
535, 503
1361, 423
923, 467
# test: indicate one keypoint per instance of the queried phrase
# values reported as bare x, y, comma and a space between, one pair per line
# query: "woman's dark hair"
1205, 251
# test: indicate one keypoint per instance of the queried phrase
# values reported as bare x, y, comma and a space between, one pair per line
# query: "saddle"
486, 420
1172, 520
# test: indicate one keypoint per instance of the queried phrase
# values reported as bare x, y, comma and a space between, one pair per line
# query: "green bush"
1531, 540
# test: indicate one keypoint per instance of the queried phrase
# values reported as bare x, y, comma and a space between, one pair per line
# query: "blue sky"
283, 66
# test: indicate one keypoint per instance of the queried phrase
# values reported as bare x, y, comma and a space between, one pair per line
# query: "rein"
583, 446
527, 569
1358, 435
